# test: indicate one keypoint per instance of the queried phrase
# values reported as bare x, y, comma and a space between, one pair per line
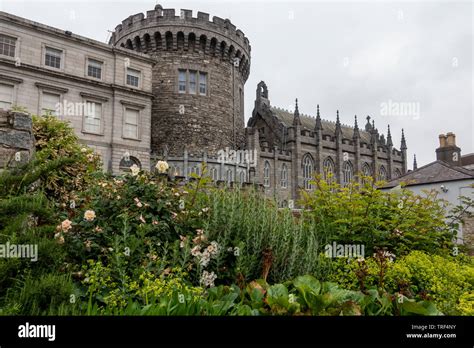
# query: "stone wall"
16, 138
468, 234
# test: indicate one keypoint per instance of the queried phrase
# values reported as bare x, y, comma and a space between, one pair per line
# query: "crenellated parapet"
165, 30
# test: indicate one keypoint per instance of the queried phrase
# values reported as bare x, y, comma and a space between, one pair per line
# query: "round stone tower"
198, 79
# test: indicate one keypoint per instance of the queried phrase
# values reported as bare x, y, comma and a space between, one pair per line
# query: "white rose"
134, 169
162, 166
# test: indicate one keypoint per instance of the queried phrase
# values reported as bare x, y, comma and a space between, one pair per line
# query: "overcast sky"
363, 58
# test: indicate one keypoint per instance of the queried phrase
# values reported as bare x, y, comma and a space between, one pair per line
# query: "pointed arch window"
242, 177
196, 169
308, 168
347, 173
382, 175
328, 166
230, 176
398, 173
266, 174
214, 174
284, 176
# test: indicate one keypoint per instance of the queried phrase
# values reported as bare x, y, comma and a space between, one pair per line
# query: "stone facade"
191, 119
190, 96
16, 138
26, 80
292, 148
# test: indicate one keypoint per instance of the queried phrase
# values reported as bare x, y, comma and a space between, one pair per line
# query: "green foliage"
257, 238
443, 280
55, 139
398, 220
447, 281
40, 295
137, 244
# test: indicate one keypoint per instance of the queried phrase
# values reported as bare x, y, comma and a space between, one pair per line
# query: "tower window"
192, 82
182, 81
202, 83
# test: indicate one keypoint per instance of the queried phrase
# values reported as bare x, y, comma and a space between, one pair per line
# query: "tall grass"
265, 235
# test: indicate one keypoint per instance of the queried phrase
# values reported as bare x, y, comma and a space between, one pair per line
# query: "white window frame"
13, 95
125, 123
101, 118
102, 68
17, 41
42, 109
138, 76
61, 57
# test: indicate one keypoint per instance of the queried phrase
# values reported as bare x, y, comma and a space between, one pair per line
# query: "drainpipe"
113, 112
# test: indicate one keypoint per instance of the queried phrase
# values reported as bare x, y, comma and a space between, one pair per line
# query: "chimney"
448, 151
442, 140
451, 139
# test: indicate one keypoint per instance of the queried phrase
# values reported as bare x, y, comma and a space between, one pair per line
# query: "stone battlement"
168, 17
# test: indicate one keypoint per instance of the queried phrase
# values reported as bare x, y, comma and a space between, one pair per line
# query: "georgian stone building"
171, 87
105, 92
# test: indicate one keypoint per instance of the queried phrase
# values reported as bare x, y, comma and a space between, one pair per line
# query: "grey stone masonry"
16, 138
199, 74
292, 148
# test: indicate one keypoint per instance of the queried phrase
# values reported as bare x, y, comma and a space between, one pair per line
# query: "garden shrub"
445, 280
398, 220
41, 295
55, 139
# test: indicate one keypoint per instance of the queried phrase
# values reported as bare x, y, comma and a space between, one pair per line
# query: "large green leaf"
277, 297
418, 308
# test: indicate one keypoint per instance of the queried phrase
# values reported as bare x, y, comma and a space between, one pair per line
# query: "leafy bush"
442, 279
398, 220
445, 280
55, 139
303, 296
